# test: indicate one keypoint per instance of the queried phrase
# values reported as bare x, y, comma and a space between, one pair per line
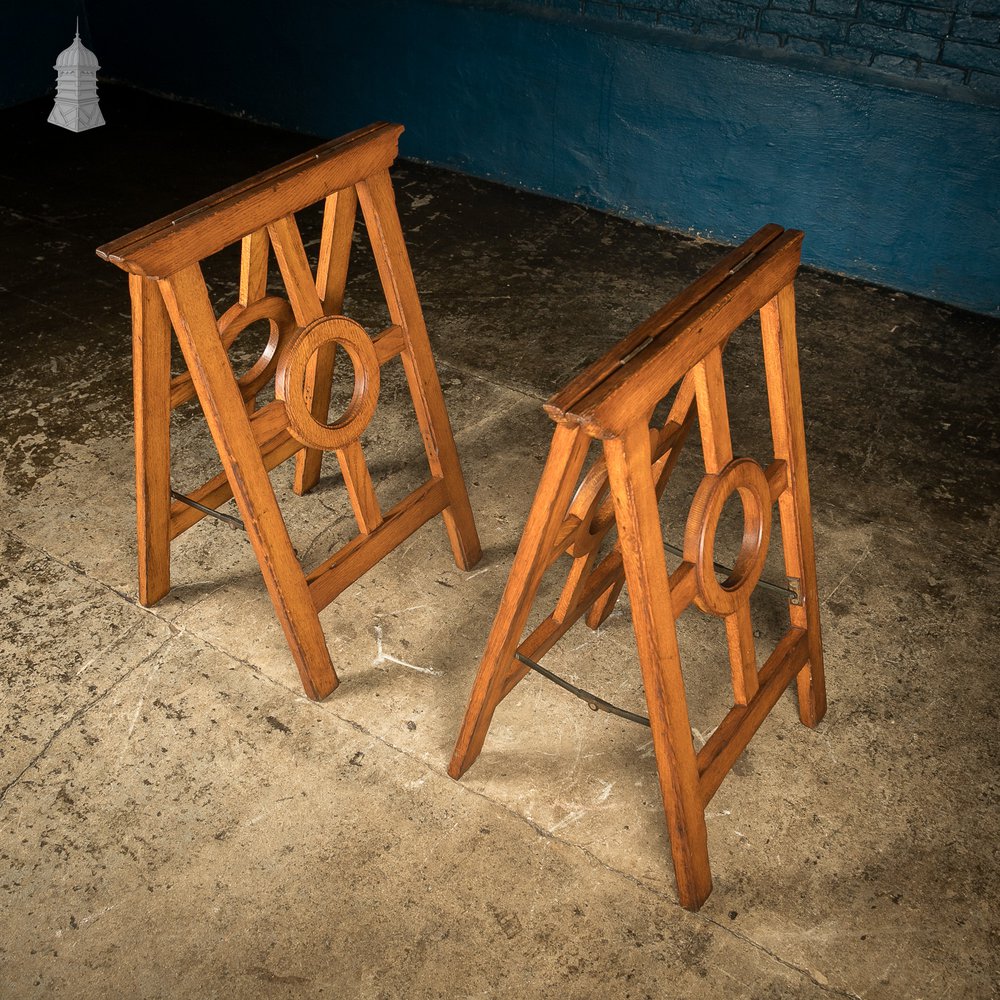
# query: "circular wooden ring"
237, 318
290, 382
743, 476
594, 508
588, 505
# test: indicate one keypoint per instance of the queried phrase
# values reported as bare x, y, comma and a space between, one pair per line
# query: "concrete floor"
177, 820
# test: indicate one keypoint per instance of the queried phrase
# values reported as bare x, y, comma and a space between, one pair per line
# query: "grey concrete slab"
49, 684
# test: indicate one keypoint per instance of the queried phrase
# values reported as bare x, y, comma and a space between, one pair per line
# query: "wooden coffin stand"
613, 401
168, 290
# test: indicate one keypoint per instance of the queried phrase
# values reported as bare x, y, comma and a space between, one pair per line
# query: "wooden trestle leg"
638, 520
781, 363
151, 390
378, 203
499, 671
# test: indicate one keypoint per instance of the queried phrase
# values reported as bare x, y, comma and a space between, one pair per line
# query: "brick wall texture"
952, 41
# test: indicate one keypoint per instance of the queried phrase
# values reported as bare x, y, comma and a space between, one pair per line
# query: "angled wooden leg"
331, 279
713, 419
634, 495
151, 390
498, 669
682, 414
781, 362
575, 586
360, 488
194, 321
379, 207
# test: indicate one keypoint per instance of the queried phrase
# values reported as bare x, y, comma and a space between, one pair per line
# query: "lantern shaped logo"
76, 106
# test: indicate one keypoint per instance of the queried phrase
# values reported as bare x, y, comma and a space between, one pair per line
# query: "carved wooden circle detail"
743, 476
236, 319
592, 505
290, 382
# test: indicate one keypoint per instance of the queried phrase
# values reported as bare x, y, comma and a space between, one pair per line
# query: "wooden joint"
730, 739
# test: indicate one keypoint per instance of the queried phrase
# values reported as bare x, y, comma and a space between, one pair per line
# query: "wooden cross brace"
168, 291
613, 401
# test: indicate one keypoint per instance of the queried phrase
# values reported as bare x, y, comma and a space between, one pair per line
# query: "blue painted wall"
894, 185
954, 42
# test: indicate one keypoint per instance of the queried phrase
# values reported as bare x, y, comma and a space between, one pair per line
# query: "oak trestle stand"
613, 402
168, 290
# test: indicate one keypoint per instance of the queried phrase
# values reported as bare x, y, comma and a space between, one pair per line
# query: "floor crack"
83, 710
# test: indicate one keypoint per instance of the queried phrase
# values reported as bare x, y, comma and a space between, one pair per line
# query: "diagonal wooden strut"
307, 329
612, 401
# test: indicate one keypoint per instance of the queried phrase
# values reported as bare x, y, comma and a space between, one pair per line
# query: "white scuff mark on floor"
602, 795
864, 555
699, 739
588, 640
382, 656
719, 815
142, 697
105, 652
567, 819
93, 916
412, 607
479, 572
89, 663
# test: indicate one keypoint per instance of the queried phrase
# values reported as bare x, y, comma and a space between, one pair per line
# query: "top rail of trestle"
202, 229
626, 383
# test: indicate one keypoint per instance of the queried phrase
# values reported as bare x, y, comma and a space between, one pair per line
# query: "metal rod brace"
594, 703
792, 595
597, 704
233, 522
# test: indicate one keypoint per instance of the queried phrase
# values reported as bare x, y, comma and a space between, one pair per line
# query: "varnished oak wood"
613, 401
659, 658
566, 457
717, 447
331, 279
781, 361
151, 392
329, 580
634, 386
254, 253
306, 329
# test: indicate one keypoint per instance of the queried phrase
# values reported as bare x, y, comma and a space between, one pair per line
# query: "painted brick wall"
894, 184
954, 42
